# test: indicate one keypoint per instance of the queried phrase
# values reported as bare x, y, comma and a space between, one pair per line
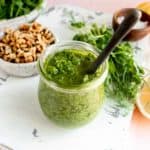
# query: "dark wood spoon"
125, 27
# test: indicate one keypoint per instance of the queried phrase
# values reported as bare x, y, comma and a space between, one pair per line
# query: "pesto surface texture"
68, 67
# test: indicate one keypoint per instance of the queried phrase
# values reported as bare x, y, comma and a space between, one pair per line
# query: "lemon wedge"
145, 6
143, 101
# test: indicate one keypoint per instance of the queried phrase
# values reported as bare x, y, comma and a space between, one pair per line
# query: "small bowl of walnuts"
20, 48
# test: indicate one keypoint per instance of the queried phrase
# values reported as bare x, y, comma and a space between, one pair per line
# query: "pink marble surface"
99, 5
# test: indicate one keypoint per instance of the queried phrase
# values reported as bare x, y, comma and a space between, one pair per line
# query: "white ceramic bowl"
22, 69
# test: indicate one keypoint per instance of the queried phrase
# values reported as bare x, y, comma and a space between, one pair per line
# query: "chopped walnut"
25, 44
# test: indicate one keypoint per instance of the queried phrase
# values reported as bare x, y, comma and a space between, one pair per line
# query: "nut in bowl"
20, 48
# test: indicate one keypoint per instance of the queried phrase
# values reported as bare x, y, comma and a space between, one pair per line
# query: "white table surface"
20, 112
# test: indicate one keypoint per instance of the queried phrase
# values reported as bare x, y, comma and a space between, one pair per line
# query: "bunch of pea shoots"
125, 75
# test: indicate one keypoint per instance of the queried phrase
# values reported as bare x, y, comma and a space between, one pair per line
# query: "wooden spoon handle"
124, 28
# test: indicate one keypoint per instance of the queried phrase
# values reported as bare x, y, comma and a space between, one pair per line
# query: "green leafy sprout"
125, 76
15, 8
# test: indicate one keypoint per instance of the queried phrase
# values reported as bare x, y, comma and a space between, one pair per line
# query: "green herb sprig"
125, 76
15, 8
77, 24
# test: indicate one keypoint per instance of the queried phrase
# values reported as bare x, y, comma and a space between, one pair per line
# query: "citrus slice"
145, 6
143, 101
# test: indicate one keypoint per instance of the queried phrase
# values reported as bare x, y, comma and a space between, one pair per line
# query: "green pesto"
70, 109
68, 67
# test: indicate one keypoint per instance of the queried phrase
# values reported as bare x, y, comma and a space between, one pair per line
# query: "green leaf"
125, 76
15, 8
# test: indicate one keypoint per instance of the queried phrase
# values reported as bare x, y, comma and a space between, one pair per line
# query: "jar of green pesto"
67, 94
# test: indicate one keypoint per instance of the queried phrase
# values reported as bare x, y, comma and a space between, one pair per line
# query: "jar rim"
82, 87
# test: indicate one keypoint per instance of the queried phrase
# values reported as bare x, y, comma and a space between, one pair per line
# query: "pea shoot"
15, 8
125, 76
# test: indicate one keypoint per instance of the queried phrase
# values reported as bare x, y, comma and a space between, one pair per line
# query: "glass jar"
71, 106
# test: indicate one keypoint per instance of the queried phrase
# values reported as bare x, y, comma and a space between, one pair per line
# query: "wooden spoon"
125, 27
